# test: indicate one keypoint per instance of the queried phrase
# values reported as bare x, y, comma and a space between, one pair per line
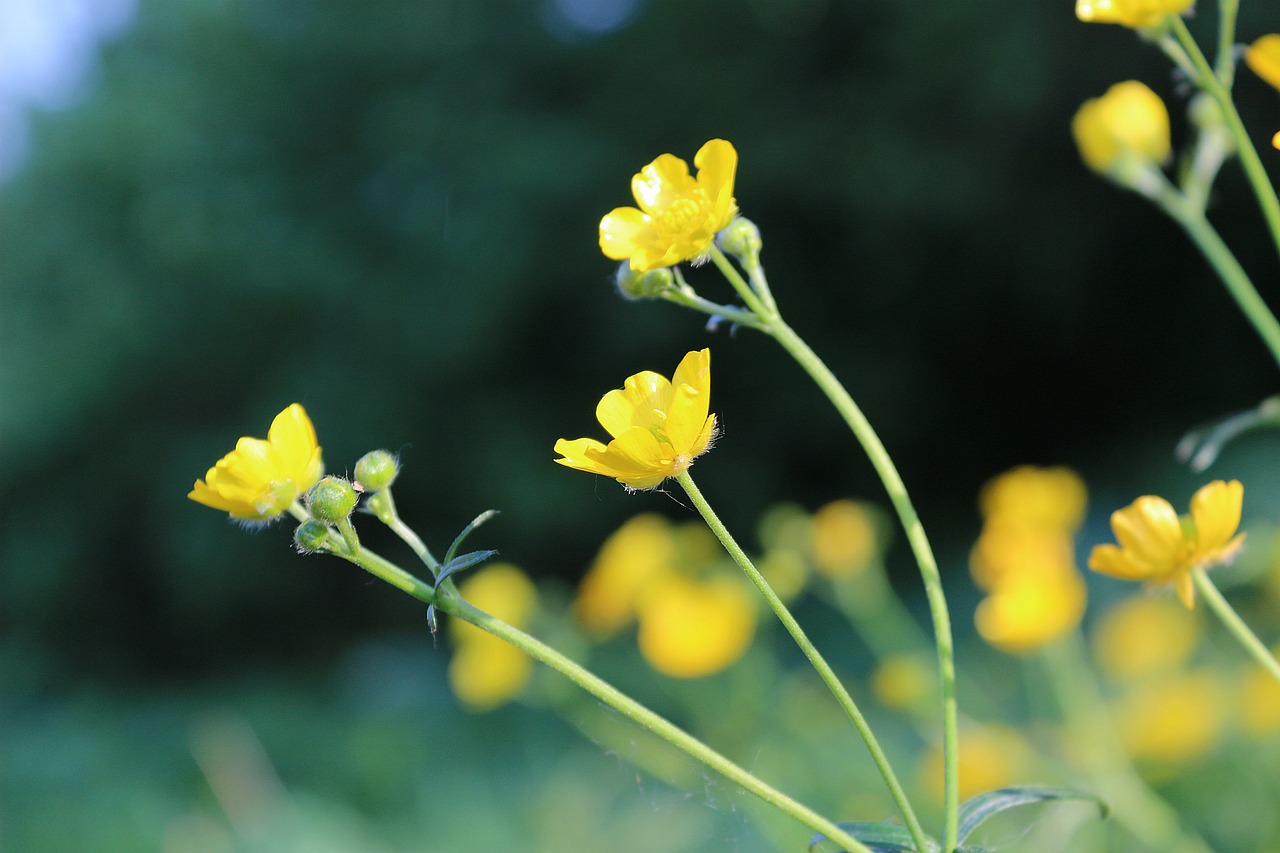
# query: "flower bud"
331, 500
1124, 134
377, 470
643, 285
740, 238
310, 536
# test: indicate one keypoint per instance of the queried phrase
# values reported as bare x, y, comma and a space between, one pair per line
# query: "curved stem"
825, 672
1231, 619
750, 298
449, 602
383, 506
916, 538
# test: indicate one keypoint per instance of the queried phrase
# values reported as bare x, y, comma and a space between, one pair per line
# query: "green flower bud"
740, 238
377, 470
310, 536
643, 285
332, 499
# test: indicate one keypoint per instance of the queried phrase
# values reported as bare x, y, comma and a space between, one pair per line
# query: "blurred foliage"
388, 213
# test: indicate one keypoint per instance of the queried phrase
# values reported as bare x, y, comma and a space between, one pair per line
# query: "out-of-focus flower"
486, 672
1173, 720
659, 426
903, 682
1005, 550
844, 539
1144, 636
260, 478
1127, 125
1263, 58
678, 214
636, 555
1030, 609
1036, 498
1159, 548
990, 757
1259, 702
1130, 13
690, 628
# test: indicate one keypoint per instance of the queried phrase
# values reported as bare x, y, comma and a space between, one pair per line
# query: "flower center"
684, 214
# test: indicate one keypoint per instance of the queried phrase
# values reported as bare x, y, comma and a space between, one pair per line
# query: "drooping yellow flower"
658, 426
260, 478
1128, 122
691, 628
1263, 58
1144, 636
1129, 13
639, 553
486, 672
1159, 548
679, 214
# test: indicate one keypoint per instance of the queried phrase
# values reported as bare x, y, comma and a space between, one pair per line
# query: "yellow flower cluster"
260, 479
692, 620
1025, 558
486, 672
1159, 548
1125, 128
1130, 13
659, 426
678, 215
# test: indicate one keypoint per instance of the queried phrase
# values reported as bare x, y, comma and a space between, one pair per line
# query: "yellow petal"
717, 163
1263, 58
622, 231
661, 182
1110, 560
1150, 530
1216, 510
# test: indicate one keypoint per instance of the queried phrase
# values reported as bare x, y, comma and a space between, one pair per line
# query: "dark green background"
388, 212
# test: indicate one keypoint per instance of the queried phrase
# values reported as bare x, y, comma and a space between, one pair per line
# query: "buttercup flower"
260, 479
658, 426
1263, 58
1159, 548
486, 672
1129, 13
1129, 122
691, 628
679, 214
637, 554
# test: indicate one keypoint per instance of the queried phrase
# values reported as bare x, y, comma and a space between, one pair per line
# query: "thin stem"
1220, 91
1225, 64
383, 506
382, 569
1231, 619
749, 297
825, 672
449, 602
1220, 257
689, 299
1098, 746
916, 538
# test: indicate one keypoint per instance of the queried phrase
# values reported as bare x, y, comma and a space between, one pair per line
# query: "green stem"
1097, 745
825, 672
749, 297
1225, 64
1231, 619
382, 569
383, 507
916, 538
1220, 257
1220, 91
450, 603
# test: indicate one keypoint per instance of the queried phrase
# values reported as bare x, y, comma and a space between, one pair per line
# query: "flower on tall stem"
678, 214
260, 479
1159, 548
659, 426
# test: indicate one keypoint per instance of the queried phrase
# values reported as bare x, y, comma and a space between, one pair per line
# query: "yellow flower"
903, 682
1172, 720
638, 553
1263, 58
260, 479
658, 426
1144, 636
1157, 547
486, 672
844, 539
1039, 498
990, 757
1130, 13
1031, 608
691, 628
1127, 123
679, 214
1259, 702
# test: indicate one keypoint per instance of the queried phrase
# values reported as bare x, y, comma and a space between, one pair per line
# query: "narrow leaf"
879, 838
466, 531
462, 562
983, 806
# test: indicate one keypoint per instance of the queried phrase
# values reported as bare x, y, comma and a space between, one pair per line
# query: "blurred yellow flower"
1260, 702
1159, 548
260, 479
1029, 609
844, 539
679, 214
1130, 13
690, 628
486, 672
1144, 636
658, 426
1263, 58
1173, 720
990, 757
1005, 550
1038, 498
1127, 123
903, 682
638, 553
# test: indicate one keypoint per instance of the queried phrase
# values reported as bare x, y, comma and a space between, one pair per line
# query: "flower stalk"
1233, 623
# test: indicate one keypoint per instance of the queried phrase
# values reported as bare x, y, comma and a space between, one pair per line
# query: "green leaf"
466, 531
1200, 447
983, 806
462, 562
879, 837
